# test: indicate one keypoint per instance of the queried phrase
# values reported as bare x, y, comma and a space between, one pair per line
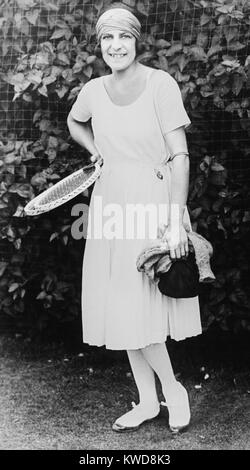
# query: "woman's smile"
117, 56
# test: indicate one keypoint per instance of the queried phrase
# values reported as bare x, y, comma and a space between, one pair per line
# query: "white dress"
121, 307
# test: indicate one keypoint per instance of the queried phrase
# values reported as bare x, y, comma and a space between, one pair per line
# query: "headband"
118, 18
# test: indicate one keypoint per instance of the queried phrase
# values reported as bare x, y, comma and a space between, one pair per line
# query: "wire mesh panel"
48, 51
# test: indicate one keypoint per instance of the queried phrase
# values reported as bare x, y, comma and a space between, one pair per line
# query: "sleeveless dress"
121, 307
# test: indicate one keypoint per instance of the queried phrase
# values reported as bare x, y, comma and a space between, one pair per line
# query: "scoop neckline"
133, 102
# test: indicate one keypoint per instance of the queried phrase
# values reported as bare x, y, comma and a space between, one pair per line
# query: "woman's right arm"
82, 133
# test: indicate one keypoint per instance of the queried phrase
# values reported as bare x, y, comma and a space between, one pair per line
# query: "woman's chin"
119, 65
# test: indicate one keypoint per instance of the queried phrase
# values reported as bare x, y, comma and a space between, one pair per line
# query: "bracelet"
179, 153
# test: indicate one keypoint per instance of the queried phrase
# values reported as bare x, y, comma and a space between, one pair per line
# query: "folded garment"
155, 259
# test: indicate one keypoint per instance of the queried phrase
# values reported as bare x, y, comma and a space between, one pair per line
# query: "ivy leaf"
236, 46
238, 82
63, 58
3, 204
3, 266
51, 154
13, 287
5, 47
41, 296
142, 8
48, 80
246, 217
25, 28
205, 19
22, 190
60, 33
217, 167
214, 50
53, 236
61, 92
10, 158
225, 9
202, 39
88, 71
50, 6
182, 61
25, 4
35, 76
19, 211
231, 63
43, 91
32, 16
230, 33
38, 180
174, 49
162, 43
44, 125
198, 53
90, 59
196, 212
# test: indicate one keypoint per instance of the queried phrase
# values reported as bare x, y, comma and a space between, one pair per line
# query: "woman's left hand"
176, 237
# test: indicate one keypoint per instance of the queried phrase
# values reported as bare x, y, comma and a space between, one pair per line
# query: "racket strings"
66, 187
65, 190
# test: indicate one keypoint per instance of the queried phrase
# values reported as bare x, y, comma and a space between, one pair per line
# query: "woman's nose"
116, 43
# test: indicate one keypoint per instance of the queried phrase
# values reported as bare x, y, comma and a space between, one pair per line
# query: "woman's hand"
96, 157
177, 240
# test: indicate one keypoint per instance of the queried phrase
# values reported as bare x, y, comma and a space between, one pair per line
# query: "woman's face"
118, 49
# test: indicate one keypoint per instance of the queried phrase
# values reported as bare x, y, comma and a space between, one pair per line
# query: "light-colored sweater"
155, 259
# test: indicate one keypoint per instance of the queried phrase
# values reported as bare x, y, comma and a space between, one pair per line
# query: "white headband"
118, 18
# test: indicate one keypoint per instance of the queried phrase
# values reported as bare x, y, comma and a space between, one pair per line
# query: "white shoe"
178, 409
133, 419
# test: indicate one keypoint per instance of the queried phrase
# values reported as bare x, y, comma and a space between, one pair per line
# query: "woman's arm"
82, 133
176, 234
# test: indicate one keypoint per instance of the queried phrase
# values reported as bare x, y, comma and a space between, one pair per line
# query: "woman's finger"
94, 157
178, 253
172, 254
183, 251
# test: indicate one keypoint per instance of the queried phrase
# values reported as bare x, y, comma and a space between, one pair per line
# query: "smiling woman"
137, 124
118, 46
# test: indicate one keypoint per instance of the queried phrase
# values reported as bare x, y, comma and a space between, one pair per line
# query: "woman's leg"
148, 406
158, 358
144, 377
175, 394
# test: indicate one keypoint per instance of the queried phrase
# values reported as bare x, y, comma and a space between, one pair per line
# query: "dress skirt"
121, 307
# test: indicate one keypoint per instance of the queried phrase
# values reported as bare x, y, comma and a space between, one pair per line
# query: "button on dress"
121, 307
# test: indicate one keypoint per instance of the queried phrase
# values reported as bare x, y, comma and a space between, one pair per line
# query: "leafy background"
48, 52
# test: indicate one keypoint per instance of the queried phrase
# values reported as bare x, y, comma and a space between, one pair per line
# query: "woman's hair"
113, 5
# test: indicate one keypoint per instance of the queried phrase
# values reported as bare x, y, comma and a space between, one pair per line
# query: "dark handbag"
182, 278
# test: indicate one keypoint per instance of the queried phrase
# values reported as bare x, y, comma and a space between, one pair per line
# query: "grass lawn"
54, 397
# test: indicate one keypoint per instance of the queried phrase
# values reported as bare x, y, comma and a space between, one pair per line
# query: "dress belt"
157, 168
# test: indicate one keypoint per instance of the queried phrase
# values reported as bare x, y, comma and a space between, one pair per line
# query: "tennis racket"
64, 190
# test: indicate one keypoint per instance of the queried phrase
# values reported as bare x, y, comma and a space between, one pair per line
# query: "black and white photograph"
125, 228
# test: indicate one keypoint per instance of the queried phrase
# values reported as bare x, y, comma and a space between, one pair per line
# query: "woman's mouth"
117, 56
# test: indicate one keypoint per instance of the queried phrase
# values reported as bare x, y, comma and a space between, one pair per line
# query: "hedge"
48, 52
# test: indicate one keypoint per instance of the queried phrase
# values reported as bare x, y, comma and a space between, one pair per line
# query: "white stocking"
158, 358
144, 377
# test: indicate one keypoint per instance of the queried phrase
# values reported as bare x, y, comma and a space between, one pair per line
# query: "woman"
137, 122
